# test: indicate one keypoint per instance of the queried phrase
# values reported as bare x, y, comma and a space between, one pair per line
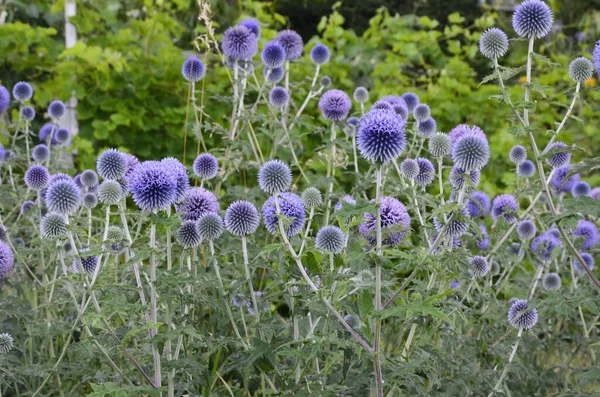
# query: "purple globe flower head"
505, 206
559, 157
517, 154
354, 123
595, 193
484, 241
291, 207
526, 169
348, 199
132, 163
26, 207
380, 137
77, 180
292, 44
543, 245
252, 25
471, 152
152, 186
517, 250
274, 176
520, 316
239, 43
63, 196
394, 100
7, 260
439, 145
179, 172
395, 222
88, 262
46, 131
28, 113
62, 135
8, 155
325, 81
206, 166
459, 177
426, 173
57, 109
40, 153
90, 200
4, 98
111, 164
37, 177
493, 43
455, 227
581, 189
479, 266
411, 100
596, 56
110, 192
555, 232
89, 178
526, 229
273, 55
382, 105
330, 239
210, 226
427, 127
589, 232
241, 218
59, 176
464, 129
274, 75
320, 54
581, 69
532, 18
335, 105
193, 69
22, 91
361, 95
551, 281
561, 183
53, 226
188, 234
409, 169
278, 97
479, 204
197, 202
421, 113
587, 258
401, 110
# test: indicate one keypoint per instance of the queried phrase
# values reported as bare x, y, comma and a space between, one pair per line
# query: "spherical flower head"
517, 154
253, 26
353, 124
587, 258
439, 145
291, 207
273, 55
40, 153
505, 206
57, 109
6, 343
278, 97
479, 204
493, 43
532, 18
111, 164
90, 200
471, 152
325, 82
63, 196
382, 105
197, 202
62, 135
543, 245
427, 127
206, 166
421, 113
320, 54
274, 75
463, 129
4, 98
115, 233
28, 113
581, 189
411, 100
380, 137
77, 180
89, 178
519, 315
460, 177
560, 156
551, 281
239, 43
335, 105
188, 234
88, 262
312, 198
409, 169
588, 231
479, 266
484, 241
8, 155
110, 192
210, 226
426, 173
292, 44
401, 110
179, 172
53, 226
37, 177
330, 239
361, 95
26, 207
241, 218
22, 91
193, 69
7, 260
153, 187
394, 100
46, 131
455, 227
526, 169
395, 222
561, 183
581, 69
526, 229
274, 176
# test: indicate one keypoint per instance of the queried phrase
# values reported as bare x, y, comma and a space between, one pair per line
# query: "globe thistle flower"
241, 218
197, 202
471, 152
325, 81
348, 199
320, 54
596, 56
37, 177
179, 172
526, 169
4, 98
519, 315
238, 301
193, 69
581, 69
526, 229
239, 44
292, 44
274, 176
53, 226
111, 164
551, 281
439, 145
394, 216
455, 227
291, 207
335, 105
459, 177
210, 226
517, 154
555, 232
595, 193
312, 198
484, 241
353, 122
493, 43
361, 95
278, 97
59, 176
532, 18
188, 235
589, 232
90, 200
6, 343
426, 172
62, 135
421, 112
409, 169
206, 166
505, 206
274, 75
110, 192
587, 258
394, 100
27, 113
559, 157
40, 153
22, 91
26, 207
401, 110
380, 137
57, 109
152, 186
382, 105
7, 260
273, 55
88, 262
561, 183
478, 205
411, 100
543, 245
581, 189
479, 266
427, 127
463, 129
330, 239
8, 155
89, 178
46, 131
63, 196
252, 25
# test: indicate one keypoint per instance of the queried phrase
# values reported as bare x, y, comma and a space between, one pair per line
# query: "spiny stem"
330, 173
249, 278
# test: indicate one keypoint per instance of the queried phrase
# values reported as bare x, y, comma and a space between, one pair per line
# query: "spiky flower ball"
274, 176
532, 18
471, 152
274, 75
57, 109
330, 239
110, 192
278, 97
484, 240
479, 266
4, 98
517, 154
421, 113
463, 129
526, 229
239, 44
253, 26
543, 245
426, 173
63, 196
210, 226
53, 226
291, 207
581, 69
395, 222
479, 204
325, 81
596, 56
90, 200
459, 178
439, 145
382, 105
152, 186
273, 55
37, 177
526, 169
6, 343
587, 258
588, 231
28, 113
179, 172
206, 166
320, 54
361, 95
312, 198
193, 69
381, 137
40, 153
493, 43
561, 183
411, 100
62, 135
241, 218
46, 131
22, 91
427, 127
581, 189
551, 281
520, 316
89, 178
409, 169
88, 262
188, 234
335, 105
292, 44
7, 260
505, 206
26, 207
111, 164
197, 202
560, 156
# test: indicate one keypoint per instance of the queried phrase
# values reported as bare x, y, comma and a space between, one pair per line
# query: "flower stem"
249, 278
330, 172
377, 304
510, 359
154, 305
